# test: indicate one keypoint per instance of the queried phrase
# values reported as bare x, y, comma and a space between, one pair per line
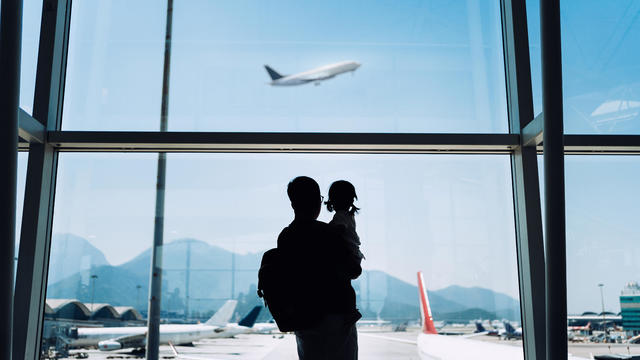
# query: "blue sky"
428, 66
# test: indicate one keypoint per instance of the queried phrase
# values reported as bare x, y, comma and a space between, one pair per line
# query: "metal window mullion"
553, 140
35, 237
524, 172
10, 50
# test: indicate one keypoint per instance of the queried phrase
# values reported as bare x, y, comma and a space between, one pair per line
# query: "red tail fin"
427, 319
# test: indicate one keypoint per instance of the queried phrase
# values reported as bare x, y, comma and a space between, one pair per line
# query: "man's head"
304, 194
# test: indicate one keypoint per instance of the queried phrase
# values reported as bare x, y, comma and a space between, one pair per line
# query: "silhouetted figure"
317, 255
342, 194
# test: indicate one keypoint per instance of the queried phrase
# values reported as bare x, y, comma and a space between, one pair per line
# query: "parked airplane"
265, 328
314, 75
112, 338
180, 334
243, 327
431, 345
509, 332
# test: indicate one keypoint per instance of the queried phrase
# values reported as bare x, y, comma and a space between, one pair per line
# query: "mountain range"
217, 274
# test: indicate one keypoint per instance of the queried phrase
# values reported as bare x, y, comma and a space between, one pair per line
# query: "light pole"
94, 277
138, 287
604, 324
155, 289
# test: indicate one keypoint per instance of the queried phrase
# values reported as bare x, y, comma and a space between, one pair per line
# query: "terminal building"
104, 314
630, 308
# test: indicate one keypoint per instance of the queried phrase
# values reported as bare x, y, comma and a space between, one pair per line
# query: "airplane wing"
123, 342
474, 334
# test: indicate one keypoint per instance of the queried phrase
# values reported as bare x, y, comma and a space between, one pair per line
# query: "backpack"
280, 290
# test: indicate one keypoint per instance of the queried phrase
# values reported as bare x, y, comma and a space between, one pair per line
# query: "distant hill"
211, 282
476, 297
113, 285
388, 294
466, 315
71, 254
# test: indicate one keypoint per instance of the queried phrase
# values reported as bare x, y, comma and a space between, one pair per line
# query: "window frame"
42, 137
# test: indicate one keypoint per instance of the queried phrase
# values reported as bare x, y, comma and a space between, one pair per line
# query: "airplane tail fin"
480, 328
427, 319
251, 317
509, 328
223, 315
272, 73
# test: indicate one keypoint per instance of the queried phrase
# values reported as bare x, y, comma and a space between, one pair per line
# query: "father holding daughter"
323, 259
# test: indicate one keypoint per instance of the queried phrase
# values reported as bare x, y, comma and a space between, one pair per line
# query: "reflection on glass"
425, 67
600, 73
602, 251
22, 175
31, 16
533, 24
449, 216
114, 69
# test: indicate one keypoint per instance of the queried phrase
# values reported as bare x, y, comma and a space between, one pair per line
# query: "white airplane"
433, 346
114, 338
264, 328
509, 332
183, 334
245, 325
314, 75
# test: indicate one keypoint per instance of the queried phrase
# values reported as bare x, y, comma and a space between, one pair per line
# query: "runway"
374, 345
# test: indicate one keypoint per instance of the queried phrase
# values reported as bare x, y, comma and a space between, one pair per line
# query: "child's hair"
341, 197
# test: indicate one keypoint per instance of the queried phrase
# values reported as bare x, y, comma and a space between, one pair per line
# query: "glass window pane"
601, 200
533, 24
426, 67
31, 18
22, 177
449, 216
114, 69
600, 70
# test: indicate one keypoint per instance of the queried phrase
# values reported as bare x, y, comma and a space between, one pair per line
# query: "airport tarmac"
379, 345
372, 346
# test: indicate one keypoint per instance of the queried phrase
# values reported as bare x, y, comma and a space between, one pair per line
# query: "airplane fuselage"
177, 334
317, 74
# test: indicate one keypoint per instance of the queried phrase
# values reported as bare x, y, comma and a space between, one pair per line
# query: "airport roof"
68, 307
103, 311
128, 313
75, 309
595, 317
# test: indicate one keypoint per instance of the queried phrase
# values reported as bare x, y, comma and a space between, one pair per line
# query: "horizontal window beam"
121, 141
603, 144
281, 142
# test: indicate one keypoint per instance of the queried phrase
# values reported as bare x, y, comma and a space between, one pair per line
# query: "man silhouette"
318, 257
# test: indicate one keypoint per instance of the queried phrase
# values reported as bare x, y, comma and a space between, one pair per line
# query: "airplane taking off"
431, 345
114, 338
314, 75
